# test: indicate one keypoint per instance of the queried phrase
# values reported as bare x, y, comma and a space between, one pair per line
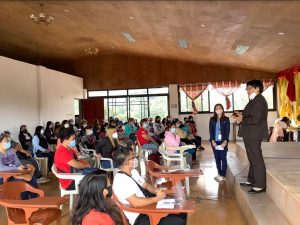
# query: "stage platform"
280, 205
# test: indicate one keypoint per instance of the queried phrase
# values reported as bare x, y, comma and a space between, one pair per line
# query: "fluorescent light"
241, 49
210, 86
183, 43
128, 37
280, 33
202, 25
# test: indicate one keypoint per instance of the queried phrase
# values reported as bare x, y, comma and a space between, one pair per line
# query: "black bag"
146, 193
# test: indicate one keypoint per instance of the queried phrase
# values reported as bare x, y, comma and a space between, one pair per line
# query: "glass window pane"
76, 107
105, 110
97, 93
117, 92
137, 91
268, 94
201, 102
216, 97
118, 107
158, 106
161, 90
240, 99
138, 107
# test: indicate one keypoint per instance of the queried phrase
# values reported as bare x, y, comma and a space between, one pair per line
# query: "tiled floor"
216, 204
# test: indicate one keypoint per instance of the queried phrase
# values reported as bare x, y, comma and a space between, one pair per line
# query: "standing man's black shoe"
246, 184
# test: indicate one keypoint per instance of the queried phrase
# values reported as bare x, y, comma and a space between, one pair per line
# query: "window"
208, 99
159, 106
202, 103
136, 103
76, 107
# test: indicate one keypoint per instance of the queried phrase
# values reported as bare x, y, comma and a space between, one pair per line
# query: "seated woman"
145, 140
130, 188
122, 137
159, 129
40, 146
173, 140
106, 147
25, 138
279, 131
97, 129
65, 159
89, 139
49, 134
83, 125
94, 205
56, 128
130, 130
10, 162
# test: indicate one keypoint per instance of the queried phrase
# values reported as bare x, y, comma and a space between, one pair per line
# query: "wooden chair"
24, 212
7, 174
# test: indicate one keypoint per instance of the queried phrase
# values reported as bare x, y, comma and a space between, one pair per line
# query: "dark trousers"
221, 160
257, 168
49, 155
171, 219
27, 194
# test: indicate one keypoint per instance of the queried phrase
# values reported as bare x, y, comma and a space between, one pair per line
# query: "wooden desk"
177, 175
34, 204
7, 174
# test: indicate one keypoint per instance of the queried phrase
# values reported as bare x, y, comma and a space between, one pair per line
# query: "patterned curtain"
193, 91
226, 88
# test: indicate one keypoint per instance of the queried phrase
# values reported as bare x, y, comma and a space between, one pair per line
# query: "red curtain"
193, 91
227, 88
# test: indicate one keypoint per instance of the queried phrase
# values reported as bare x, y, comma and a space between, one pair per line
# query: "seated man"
65, 157
89, 139
130, 188
10, 162
125, 141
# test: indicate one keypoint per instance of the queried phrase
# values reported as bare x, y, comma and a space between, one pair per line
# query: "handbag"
145, 192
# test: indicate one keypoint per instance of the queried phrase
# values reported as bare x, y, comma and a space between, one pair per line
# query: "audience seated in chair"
94, 204
279, 131
130, 188
88, 138
49, 134
65, 158
56, 128
145, 140
25, 138
130, 130
97, 129
123, 139
40, 146
159, 130
10, 162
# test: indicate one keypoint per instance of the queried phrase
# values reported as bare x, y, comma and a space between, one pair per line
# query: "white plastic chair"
87, 153
110, 169
77, 177
176, 157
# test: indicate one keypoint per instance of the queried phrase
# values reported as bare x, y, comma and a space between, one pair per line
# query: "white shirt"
124, 187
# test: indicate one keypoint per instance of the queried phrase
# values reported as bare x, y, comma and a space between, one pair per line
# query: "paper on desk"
219, 147
166, 204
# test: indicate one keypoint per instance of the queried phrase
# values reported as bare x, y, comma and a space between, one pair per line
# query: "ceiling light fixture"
91, 51
281, 33
183, 43
202, 25
42, 17
131, 17
128, 37
241, 49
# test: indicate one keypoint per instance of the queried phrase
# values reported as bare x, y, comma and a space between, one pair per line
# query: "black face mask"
109, 189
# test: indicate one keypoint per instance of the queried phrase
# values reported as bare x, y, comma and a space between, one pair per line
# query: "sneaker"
217, 177
42, 180
220, 179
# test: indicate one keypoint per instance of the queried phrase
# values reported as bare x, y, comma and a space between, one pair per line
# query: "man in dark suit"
253, 130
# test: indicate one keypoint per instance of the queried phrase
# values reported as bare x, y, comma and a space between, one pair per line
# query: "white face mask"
219, 111
89, 132
115, 135
173, 130
42, 132
84, 125
252, 96
66, 125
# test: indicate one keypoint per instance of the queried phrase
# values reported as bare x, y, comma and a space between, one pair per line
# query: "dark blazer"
255, 124
225, 129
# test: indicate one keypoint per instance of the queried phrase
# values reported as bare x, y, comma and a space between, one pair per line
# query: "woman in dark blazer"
219, 129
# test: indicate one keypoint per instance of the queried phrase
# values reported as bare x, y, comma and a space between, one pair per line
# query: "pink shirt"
172, 140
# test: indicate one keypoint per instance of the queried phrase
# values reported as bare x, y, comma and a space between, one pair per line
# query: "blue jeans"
221, 159
151, 146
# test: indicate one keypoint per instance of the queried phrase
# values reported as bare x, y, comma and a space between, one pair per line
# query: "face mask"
219, 111
7, 145
90, 132
84, 125
145, 125
115, 135
42, 132
252, 96
73, 123
50, 126
191, 120
72, 144
66, 125
109, 190
173, 130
